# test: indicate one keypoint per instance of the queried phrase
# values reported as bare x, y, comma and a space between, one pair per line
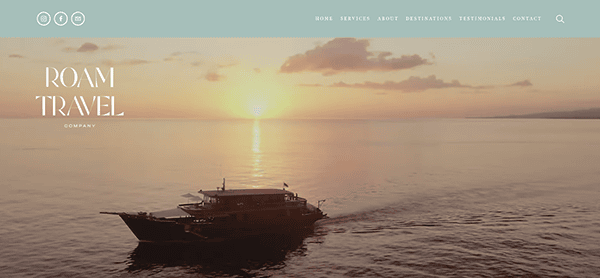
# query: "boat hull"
188, 229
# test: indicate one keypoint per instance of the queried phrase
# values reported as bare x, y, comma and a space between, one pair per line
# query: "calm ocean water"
414, 198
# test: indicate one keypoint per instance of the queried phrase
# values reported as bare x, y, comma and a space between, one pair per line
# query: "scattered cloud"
257, 70
16, 56
90, 47
213, 77
348, 55
126, 62
173, 57
87, 47
524, 83
412, 84
177, 56
418, 84
69, 49
196, 63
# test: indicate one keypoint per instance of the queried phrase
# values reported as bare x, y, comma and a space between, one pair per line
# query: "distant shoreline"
588, 114
521, 117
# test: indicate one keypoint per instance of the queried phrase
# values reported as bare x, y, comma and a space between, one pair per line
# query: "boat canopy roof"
176, 212
244, 192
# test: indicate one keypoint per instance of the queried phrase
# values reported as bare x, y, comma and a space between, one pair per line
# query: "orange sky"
222, 78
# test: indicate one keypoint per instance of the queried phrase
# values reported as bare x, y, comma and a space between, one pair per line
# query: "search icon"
559, 18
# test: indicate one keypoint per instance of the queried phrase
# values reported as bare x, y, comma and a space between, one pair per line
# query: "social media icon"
43, 18
77, 18
60, 18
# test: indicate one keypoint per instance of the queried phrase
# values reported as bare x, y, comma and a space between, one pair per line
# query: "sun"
257, 110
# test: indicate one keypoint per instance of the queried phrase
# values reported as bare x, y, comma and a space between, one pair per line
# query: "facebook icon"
60, 18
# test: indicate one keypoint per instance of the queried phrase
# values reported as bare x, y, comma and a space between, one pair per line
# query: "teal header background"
297, 18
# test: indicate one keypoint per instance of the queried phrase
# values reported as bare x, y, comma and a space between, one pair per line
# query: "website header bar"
309, 18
